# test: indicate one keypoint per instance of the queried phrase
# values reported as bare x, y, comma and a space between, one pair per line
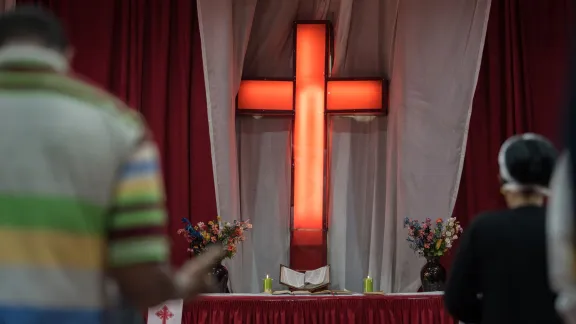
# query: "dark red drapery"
521, 88
149, 54
318, 310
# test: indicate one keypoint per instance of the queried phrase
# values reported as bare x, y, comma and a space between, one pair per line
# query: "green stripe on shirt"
139, 218
64, 214
127, 201
138, 250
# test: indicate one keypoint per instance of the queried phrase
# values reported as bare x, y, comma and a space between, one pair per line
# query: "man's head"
526, 164
30, 25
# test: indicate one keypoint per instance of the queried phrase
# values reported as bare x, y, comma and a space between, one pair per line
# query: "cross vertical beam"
308, 239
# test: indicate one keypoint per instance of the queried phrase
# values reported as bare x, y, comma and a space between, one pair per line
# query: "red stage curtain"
318, 310
520, 89
149, 54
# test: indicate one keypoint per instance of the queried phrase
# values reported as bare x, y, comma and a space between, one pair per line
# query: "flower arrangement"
432, 240
203, 234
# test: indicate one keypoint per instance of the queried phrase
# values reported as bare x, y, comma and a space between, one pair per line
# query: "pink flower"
426, 246
213, 239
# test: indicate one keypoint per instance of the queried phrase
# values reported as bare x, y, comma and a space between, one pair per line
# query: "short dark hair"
33, 23
531, 161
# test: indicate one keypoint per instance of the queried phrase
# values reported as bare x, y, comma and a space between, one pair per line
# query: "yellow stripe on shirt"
138, 186
51, 249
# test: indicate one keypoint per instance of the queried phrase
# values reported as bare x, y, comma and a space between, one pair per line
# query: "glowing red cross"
309, 96
164, 314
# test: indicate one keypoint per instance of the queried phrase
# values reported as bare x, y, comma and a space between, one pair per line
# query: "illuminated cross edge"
310, 96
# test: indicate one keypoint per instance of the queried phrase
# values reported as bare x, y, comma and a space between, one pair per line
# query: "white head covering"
510, 183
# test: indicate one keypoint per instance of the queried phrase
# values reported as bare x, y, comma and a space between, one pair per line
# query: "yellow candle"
268, 285
368, 284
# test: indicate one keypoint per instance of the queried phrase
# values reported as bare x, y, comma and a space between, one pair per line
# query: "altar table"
354, 309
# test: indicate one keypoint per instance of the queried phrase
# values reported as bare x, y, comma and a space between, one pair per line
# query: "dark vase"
433, 275
220, 274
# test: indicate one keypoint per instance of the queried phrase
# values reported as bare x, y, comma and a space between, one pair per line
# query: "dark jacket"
500, 272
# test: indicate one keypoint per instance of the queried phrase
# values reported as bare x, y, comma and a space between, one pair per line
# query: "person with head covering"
81, 189
499, 273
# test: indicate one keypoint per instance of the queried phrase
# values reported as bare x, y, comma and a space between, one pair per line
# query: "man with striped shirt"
81, 191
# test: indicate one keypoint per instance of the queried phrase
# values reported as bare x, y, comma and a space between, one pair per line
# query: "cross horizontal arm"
265, 95
356, 95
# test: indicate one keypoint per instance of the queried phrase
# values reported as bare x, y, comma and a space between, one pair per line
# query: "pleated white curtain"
225, 27
265, 179
406, 164
409, 165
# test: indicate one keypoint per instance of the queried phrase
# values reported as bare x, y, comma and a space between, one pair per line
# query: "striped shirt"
80, 191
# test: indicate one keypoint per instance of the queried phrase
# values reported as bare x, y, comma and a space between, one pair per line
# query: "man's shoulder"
103, 100
75, 87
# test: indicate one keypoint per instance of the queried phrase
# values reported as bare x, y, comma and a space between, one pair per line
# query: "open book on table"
305, 280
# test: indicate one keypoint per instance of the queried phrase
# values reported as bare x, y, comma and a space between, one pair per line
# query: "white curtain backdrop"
224, 29
265, 168
406, 164
358, 157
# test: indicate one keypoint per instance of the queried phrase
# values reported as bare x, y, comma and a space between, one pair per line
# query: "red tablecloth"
406, 309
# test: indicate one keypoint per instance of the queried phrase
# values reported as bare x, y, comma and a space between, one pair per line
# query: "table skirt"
405, 309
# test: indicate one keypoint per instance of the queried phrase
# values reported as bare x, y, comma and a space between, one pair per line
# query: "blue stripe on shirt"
138, 168
33, 315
